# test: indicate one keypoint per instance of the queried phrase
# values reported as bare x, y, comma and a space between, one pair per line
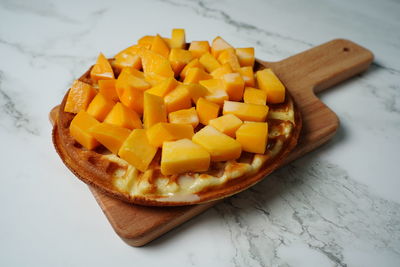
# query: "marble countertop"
337, 206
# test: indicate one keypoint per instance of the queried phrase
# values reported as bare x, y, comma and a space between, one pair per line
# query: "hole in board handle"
346, 49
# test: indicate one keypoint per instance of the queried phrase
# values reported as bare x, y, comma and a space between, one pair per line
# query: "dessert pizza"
167, 123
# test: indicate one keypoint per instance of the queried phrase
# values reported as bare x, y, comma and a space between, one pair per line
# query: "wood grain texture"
303, 74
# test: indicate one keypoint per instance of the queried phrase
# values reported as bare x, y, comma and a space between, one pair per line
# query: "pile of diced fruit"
197, 103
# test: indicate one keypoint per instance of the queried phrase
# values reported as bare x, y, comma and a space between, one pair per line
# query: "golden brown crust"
95, 170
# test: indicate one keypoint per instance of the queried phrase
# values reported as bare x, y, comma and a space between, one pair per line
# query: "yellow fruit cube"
216, 94
110, 136
100, 106
183, 156
198, 48
220, 146
188, 116
159, 46
79, 97
133, 99
209, 62
79, 130
253, 136
229, 56
164, 87
162, 131
218, 45
153, 62
130, 78
246, 112
146, 40
227, 124
245, 56
137, 151
194, 75
233, 85
154, 78
196, 91
124, 117
271, 84
102, 69
192, 64
127, 60
254, 96
248, 76
206, 110
179, 58
221, 71
154, 110
178, 38
177, 99
107, 88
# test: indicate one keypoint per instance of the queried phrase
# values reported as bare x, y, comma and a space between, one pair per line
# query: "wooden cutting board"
303, 74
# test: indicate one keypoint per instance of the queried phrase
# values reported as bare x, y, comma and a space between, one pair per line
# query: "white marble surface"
338, 206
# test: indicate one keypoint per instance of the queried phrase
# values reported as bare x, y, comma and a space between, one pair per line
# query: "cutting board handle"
323, 66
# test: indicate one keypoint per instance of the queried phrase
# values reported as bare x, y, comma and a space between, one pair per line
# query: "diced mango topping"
161, 132
253, 136
206, 110
79, 130
79, 97
154, 110
199, 48
110, 136
246, 112
124, 117
227, 124
102, 69
183, 156
178, 38
107, 88
274, 88
175, 92
184, 116
100, 106
220, 146
254, 96
137, 151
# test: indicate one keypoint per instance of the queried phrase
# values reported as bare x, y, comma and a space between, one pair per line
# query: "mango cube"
221, 71
123, 117
133, 99
110, 136
248, 76
100, 106
245, 56
137, 151
164, 87
146, 40
253, 136
194, 75
196, 91
216, 94
183, 156
159, 46
153, 62
130, 78
127, 60
209, 62
107, 88
199, 48
271, 84
220, 146
192, 64
227, 124
79, 130
79, 97
154, 78
179, 58
154, 110
246, 112
233, 85
102, 69
177, 99
188, 116
162, 131
229, 56
178, 38
206, 110
218, 45
254, 96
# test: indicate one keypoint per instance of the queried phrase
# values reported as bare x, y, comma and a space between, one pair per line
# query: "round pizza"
167, 123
